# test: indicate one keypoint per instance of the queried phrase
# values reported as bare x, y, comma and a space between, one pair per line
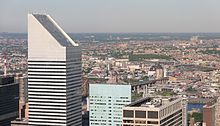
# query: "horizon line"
118, 32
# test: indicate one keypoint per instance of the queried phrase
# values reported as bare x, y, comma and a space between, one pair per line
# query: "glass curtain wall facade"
106, 102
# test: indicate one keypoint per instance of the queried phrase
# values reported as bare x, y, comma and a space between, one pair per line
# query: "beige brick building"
154, 112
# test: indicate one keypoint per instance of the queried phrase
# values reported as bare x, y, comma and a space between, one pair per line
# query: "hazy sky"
116, 15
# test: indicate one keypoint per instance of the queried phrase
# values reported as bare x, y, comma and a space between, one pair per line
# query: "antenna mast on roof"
5, 65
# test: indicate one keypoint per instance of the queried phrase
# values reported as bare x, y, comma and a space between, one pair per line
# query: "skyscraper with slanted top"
54, 74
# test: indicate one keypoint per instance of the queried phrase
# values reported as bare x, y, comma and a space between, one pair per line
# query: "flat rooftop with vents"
154, 111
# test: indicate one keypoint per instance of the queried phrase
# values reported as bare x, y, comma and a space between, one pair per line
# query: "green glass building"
106, 102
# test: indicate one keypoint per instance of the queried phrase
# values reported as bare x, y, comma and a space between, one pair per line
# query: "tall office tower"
209, 115
8, 100
217, 112
106, 102
154, 112
23, 94
54, 74
184, 105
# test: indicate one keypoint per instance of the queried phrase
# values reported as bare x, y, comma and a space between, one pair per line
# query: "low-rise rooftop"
152, 102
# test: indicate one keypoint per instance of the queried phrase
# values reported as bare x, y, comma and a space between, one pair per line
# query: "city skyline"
122, 63
121, 16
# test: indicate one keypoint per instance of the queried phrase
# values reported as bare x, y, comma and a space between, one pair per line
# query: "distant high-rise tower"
209, 114
22, 81
217, 112
5, 66
54, 74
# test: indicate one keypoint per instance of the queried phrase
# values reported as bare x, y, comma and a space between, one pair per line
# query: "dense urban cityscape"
158, 66
129, 77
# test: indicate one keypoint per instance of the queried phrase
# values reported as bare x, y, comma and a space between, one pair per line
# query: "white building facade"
54, 74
